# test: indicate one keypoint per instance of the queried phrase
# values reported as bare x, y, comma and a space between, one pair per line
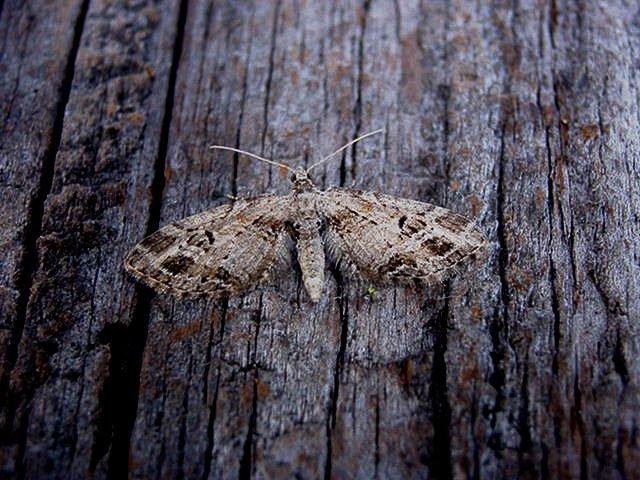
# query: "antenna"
361, 137
252, 155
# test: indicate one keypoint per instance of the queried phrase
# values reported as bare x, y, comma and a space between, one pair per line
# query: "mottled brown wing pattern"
387, 239
223, 251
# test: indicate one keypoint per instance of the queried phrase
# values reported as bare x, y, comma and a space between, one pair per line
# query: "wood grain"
34, 83
67, 397
522, 115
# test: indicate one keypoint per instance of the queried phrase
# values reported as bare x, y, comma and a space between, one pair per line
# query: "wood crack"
619, 361
267, 86
498, 325
357, 108
29, 261
210, 431
243, 99
526, 442
441, 461
127, 364
444, 91
183, 424
376, 452
337, 371
577, 393
213, 408
555, 305
247, 460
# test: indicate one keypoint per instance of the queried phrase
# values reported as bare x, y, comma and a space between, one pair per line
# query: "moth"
235, 247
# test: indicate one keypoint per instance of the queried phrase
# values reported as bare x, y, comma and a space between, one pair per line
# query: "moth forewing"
223, 251
389, 239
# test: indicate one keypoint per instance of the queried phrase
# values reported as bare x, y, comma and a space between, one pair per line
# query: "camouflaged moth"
232, 248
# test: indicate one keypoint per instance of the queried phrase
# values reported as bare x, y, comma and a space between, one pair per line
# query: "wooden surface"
523, 115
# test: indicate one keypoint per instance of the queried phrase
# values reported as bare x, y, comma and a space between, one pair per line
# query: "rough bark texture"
523, 115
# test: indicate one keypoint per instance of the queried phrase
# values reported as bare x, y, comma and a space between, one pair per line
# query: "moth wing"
384, 238
223, 251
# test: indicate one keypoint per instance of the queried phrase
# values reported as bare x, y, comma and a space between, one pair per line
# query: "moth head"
301, 180
299, 176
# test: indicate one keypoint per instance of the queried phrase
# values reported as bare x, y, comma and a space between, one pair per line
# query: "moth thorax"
301, 181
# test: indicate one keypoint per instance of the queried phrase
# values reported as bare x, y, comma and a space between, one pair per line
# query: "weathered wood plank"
482, 421
34, 71
595, 200
481, 377
266, 360
523, 115
555, 329
389, 390
71, 401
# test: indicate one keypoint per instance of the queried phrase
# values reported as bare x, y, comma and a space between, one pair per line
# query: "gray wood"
30, 91
37, 49
522, 115
67, 395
